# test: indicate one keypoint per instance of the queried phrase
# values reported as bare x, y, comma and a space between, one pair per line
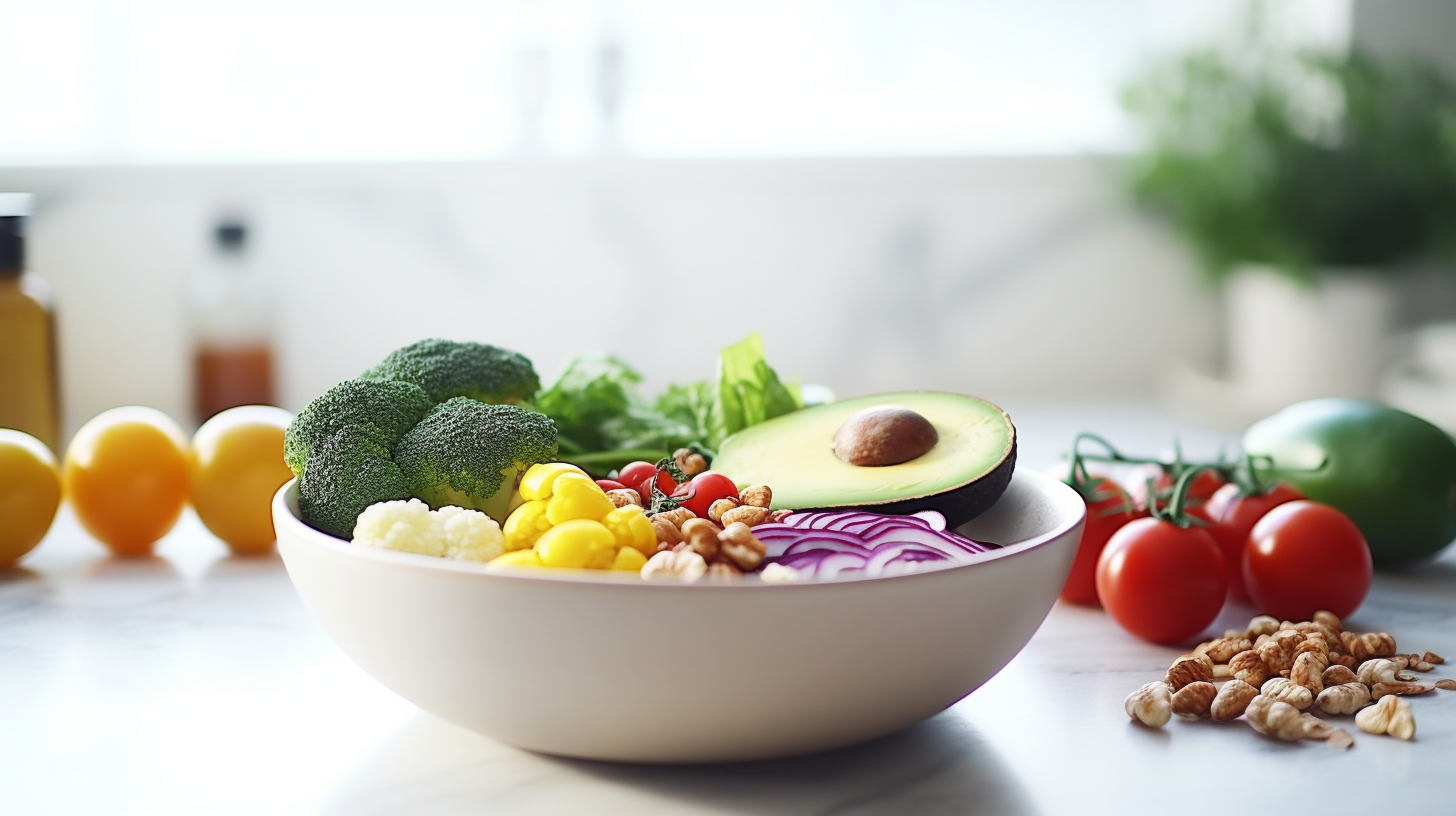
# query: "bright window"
148, 81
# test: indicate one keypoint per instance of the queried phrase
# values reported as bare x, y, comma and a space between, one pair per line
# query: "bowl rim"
285, 513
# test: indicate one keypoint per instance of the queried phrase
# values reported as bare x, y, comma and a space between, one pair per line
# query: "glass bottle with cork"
29, 386
232, 327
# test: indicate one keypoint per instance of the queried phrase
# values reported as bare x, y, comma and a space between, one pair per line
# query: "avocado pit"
884, 435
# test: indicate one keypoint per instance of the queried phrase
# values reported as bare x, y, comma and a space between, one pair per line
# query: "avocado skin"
959, 504
1392, 473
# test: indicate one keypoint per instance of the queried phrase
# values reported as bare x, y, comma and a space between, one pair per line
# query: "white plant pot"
1289, 342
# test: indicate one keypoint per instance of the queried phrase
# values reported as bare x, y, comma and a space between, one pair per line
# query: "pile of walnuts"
1273, 672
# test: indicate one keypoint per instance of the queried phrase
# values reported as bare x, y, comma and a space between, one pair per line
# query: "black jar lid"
15, 208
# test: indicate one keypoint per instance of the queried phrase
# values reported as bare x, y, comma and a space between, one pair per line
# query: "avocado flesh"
962, 475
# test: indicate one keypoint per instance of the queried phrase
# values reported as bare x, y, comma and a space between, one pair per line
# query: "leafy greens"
603, 420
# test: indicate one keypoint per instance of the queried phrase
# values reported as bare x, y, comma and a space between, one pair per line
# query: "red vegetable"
1233, 515
1109, 507
1162, 582
1304, 556
1205, 483
698, 493
640, 476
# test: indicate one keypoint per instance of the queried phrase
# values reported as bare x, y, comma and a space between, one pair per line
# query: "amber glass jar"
232, 328
29, 387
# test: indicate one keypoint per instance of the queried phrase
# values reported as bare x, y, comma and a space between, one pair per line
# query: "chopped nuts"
1338, 675
668, 535
1376, 671
1151, 705
1275, 656
757, 496
1287, 691
739, 545
1194, 700
1232, 699
690, 462
685, 566
1250, 668
723, 569
1380, 690
1368, 645
718, 508
1340, 739
1189, 669
1391, 715
1345, 698
1262, 625
1221, 650
1308, 671
624, 497
748, 514
1274, 670
701, 536
1328, 620
1275, 719
677, 515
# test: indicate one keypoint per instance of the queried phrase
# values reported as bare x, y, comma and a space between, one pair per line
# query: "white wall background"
1000, 277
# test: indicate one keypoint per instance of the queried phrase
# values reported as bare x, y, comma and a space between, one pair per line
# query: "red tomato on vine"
1232, 516
1160, 581
1304, 556
1109, 507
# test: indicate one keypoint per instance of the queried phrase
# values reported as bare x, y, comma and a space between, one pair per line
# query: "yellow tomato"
125, 474
30, 493
236, 465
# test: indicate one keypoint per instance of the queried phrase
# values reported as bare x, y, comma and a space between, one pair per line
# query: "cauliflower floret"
470, 535
411, 526
407, 526
777, 573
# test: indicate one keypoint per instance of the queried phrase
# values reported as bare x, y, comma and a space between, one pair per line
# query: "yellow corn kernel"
629, 559
577, 497
517, 558
525, 524
537, 481
632, 529
577, 544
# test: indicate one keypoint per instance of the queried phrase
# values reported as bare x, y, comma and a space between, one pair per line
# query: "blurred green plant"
1301, 160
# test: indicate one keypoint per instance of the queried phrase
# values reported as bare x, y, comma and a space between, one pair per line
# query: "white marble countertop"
195, 682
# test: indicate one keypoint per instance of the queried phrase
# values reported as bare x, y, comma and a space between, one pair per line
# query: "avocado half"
963, 474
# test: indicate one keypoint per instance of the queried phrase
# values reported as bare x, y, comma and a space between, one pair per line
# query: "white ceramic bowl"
610, 667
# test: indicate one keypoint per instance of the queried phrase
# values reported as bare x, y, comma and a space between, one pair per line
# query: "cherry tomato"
641, 475
125, 474
1108, 508
1304, 556
610, 484
1205, 484
235, 466
698, 493
1232, 516
1162, 582
30, 493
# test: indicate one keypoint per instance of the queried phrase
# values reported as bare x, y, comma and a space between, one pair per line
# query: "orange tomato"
125, 474
236, 465
30, 493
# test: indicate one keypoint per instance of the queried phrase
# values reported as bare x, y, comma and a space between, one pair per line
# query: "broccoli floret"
381, 409
345, 473
447, 368
471, 454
